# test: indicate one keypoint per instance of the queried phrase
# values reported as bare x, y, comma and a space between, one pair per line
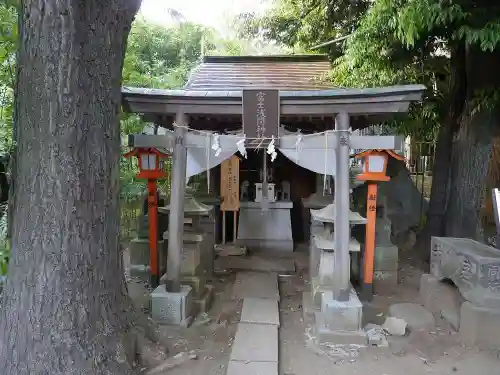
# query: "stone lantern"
331, 316
322, 260
197, 250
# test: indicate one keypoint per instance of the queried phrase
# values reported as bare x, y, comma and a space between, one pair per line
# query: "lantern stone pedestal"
139, 258
332, 320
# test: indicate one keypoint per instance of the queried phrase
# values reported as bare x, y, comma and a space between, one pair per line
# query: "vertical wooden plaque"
230, 184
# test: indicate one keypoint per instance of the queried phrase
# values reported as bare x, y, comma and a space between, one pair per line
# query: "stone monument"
386, 260
473, 307
473, 267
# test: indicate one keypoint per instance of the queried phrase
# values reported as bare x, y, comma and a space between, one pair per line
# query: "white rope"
241, 147
257, 138
298, 145
207, 145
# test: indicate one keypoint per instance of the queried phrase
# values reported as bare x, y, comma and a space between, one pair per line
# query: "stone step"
260, 311
255, 263
256, 285
255, 343
252, 368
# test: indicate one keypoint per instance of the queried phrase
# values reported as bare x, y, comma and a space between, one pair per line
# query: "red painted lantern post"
374, 171
151, 169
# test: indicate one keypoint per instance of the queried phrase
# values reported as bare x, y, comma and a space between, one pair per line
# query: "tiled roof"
293, 72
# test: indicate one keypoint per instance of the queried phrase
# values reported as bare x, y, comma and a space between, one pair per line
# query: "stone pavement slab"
260, 311
256, 285
252, 368
255, 343
256, 263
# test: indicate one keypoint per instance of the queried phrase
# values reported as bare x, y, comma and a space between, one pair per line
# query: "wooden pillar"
176, 218
154, 266
369, 256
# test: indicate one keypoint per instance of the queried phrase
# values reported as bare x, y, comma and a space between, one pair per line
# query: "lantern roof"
388, 152
192, 207
317, 200
326, 242
140, 151
327, 215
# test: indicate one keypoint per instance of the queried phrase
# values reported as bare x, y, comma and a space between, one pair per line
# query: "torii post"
342, 145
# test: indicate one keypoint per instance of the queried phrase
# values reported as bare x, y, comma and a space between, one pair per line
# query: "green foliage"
301, 24
8, 48
390, 42
376, 56
163, 57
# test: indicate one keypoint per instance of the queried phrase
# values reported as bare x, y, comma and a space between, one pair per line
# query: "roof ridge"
267, 58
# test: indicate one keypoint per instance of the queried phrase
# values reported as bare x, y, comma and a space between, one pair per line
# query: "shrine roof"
213, 94
283, 72
302, 102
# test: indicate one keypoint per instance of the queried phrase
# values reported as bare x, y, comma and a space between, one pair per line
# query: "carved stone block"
473, 267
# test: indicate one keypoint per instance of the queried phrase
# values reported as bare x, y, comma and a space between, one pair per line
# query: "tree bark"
62, 308
472, 146
436, 213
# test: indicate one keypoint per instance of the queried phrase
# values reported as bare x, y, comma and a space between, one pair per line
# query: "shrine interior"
281, 172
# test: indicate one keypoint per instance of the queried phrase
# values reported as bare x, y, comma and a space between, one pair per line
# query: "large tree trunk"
472, 146
62, 308
434, 225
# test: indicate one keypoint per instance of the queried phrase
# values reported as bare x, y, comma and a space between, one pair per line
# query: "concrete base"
479, 326
171, 308
441, 299
323, 336
336, 322
340, 315
475, 324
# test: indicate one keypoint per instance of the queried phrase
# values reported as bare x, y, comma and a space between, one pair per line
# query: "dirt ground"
211, 337
436, 352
